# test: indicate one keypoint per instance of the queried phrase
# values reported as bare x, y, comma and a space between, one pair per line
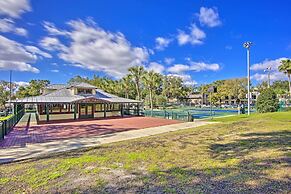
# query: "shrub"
267, 101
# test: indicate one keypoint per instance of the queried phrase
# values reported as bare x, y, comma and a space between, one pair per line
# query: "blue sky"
200, 41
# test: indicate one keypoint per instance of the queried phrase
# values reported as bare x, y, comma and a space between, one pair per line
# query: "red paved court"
20, 136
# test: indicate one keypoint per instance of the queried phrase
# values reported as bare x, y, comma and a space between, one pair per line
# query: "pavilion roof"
65, 95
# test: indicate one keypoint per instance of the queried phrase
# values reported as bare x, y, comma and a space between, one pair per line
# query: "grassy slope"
240, 155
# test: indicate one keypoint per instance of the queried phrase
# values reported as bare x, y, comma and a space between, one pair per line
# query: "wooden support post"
121, 110
75, 111
93, 110
105, 107
47, 112
15, 108
137, 108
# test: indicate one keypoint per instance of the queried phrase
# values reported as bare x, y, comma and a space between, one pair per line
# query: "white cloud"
195, 36
162, 43
17, 66
182, 70
52, 43
13, 51
193, 66
18, 57
35, 50
261, 75
183, 38
55, 70
273, 76
14, 8
52, 30
21, 83
91, 47
169, 61
159, 68
187, 79
267, 63
7, 25
228, 47
201, 66
209, 17
178, 68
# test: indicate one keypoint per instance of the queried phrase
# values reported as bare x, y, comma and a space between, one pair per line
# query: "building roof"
65, 95
81, 85
55, 86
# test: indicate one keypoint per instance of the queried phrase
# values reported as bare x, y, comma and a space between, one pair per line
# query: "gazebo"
78, 101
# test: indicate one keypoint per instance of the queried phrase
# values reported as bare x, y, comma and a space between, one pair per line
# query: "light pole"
248, 45
10, 88
268, 69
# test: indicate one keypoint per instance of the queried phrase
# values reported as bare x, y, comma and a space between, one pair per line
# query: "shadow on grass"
246, 176
240, 179
252, 142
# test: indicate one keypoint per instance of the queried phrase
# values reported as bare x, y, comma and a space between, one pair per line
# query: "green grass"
241, 154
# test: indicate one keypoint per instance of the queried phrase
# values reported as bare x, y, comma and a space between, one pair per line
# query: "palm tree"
285, 67
136, 73
152, 82
126, 83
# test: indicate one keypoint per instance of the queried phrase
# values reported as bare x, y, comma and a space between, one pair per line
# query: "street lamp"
248, 45
10, 90
268, 69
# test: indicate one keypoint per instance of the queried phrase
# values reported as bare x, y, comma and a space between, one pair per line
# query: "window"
84, 91
113, 107
99, 107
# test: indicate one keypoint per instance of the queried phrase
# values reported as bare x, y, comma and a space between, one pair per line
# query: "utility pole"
10, 87
268, 69
248, 45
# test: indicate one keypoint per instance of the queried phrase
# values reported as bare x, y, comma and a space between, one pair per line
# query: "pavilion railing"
132, 111
7, 125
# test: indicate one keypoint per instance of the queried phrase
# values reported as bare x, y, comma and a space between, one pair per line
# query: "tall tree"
280, 87
126, 85
285, 67
262, 86
4, 93
136, 73
152, 81
78, 79
34, 88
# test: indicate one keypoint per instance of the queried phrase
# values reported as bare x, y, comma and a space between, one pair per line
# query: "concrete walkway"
43, 149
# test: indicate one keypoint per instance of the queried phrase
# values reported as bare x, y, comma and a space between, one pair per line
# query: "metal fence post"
2, 130
4, 127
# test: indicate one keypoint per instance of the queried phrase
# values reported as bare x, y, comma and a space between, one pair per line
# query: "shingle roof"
65, 95
55, 86
47, 99
100, 94
81, 85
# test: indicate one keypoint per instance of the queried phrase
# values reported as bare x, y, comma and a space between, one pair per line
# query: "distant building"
196, 98
203, 99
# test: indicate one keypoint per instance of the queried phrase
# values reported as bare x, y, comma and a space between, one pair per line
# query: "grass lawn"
242, 154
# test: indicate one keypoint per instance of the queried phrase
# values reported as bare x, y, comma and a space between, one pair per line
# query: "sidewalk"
42, 149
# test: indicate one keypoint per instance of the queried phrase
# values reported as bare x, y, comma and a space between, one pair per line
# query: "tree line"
151, 87
154, 88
